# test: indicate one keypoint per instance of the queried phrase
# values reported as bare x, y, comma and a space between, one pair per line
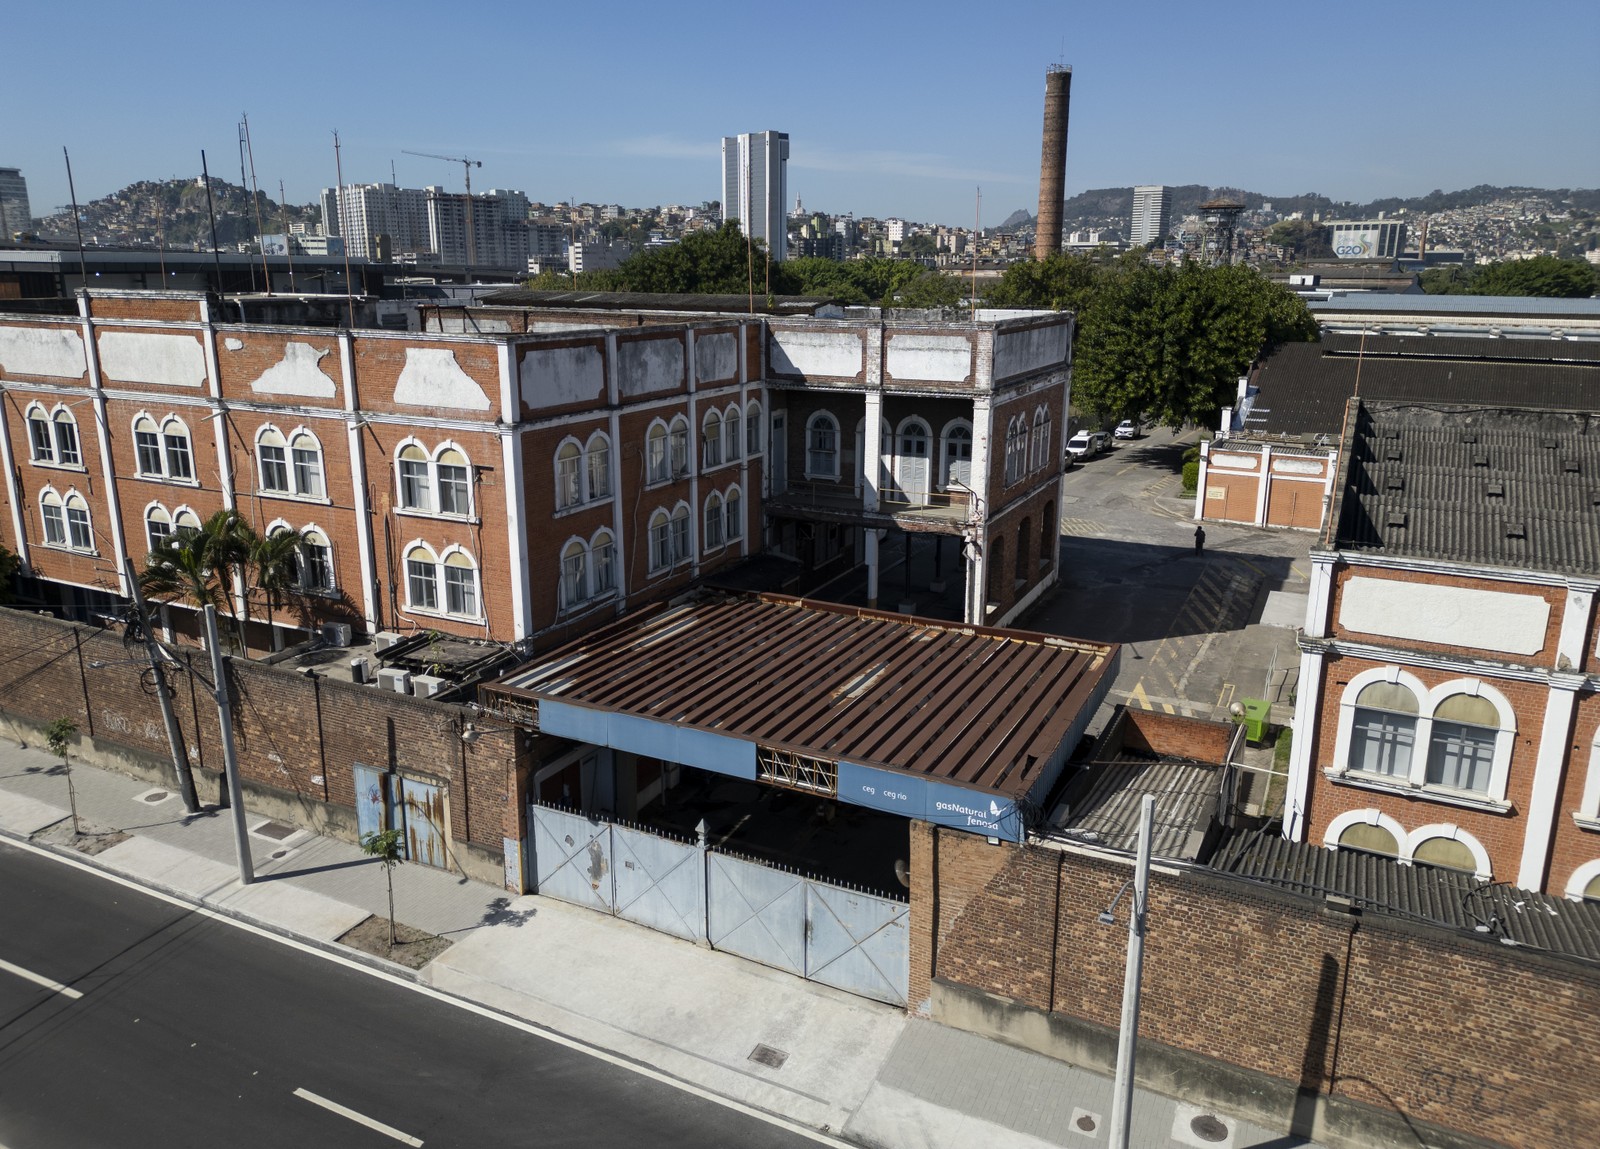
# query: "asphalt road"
190, 1031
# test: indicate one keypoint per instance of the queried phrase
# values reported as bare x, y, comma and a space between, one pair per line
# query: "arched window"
272, 453
1039, 453
574, 573
713, 522
416, 478
1455, 739
1461, 749
914, 439
305, 452
41, 438
822, 446
1449, 847
602, 563
1016, 448
711, 440
569, 475
66, 428
454, 474
460, 584
657, 464
660, 541
733, 513
66, 520
1584, 884
682, 549
1368, 831
597, 465
732, 433
157, 524
957, 466
163, 452
1446, 853
752, 428
678, 446
185, 522
422, 578
1384, 731
315, 561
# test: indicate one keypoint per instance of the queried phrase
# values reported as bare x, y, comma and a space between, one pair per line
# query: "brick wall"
1384, 1016
296, 736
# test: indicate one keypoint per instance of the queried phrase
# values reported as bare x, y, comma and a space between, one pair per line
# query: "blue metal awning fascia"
955, 806
649, 736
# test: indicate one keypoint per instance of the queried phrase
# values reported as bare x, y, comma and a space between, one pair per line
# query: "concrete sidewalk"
848, 1067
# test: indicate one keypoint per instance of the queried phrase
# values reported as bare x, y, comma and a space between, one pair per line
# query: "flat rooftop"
974, 707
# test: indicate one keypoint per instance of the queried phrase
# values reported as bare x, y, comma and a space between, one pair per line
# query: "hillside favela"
640, 627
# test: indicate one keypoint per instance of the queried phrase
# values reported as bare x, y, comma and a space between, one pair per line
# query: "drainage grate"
766, 1055
1208, 1128
280, 853
1086, 1123
277, 831
154, 796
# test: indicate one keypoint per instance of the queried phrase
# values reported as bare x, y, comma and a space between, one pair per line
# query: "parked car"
1083, 445
1102, 441
1127, 429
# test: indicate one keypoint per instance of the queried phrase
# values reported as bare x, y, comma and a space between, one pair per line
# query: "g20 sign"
1356, 244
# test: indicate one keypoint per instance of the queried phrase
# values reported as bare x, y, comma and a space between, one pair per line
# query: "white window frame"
426, 504
431, 574
318, 466
432, 479
682, 524
569, 474
754, 440
1581, 877
165, 429
813, 452
470, 511
945, 455
1408, 846
286, 491
476, 589
657, 453
1039, 447
678, 447
733, 515
603, 542
711, 517
305, 545
660, 541
64, 503
711, 440
572, 587
41, 436
1428, 700
732, 434
597, 467
1587, 814
1367, 817
151, 510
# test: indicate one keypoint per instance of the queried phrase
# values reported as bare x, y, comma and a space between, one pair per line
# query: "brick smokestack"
1053, 163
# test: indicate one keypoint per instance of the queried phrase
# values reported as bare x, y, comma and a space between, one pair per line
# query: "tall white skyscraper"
18, 216
362, 212
755, 186
1152, 207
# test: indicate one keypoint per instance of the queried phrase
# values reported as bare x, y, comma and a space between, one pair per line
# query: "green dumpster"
1257, 712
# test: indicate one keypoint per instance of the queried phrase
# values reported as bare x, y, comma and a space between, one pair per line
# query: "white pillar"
1547, 771
1307, 709
14, 492
871, 448
1263, 484
358, 483
1575, 624
1200, 480
103, 438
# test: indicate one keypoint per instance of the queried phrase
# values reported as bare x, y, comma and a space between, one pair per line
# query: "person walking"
1199, 539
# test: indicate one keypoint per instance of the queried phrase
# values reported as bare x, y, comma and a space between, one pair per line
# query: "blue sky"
892, 108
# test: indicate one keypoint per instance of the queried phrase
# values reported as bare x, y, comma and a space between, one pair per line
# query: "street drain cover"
154, 796
1086, 1123
1208, 1128
277, 831
279, 853
766, 1055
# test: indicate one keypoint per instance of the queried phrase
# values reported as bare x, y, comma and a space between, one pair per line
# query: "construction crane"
466, 167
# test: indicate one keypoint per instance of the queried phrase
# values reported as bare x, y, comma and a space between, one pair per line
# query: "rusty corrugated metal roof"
976, 706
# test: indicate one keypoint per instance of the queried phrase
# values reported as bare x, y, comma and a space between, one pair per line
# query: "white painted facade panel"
827, 354
54, 352
1454, 616
646, 366
1018, 352
929, 358
433, 378
297, 373
139, 357
558, 376
716, 358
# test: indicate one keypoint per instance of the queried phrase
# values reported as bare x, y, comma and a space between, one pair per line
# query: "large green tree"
1543, 275
1167, 343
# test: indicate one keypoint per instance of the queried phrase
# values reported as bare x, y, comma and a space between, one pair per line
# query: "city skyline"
1287, 107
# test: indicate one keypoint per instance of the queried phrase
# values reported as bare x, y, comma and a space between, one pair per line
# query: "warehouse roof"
1490, 486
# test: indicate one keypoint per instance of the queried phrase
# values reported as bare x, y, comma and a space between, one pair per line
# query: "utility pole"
230, 759
1128, 1033
180, 755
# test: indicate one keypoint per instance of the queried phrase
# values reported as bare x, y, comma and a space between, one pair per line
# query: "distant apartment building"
596, 256
499, 228
1152, 210
755, 186
1368, 239
15, 214
547, 241
362, 213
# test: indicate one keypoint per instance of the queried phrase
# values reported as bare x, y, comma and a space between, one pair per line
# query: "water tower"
1219, 218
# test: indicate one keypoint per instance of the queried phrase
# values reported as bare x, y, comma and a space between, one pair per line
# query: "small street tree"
385, 845
59, 736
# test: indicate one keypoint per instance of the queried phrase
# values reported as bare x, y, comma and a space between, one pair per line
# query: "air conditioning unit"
360, 671
399, 681
336, 633
427, 685
384, 639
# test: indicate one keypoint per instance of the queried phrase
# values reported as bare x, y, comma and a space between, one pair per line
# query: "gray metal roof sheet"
1460, 305
1101, 807
1420, 893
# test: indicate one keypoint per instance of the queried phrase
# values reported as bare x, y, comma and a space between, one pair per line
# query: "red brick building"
522, 472
1447, 710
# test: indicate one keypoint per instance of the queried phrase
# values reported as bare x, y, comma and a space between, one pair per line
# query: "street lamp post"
1128, 1034
230, 759
180, 755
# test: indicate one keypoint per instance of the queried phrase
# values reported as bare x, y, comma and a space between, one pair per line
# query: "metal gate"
846, 938
572, 857
658, 882
420, 808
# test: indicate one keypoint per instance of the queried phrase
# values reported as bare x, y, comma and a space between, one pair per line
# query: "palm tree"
275, 559
195, 567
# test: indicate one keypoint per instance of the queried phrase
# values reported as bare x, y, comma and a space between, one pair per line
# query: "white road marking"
40, 979
531, 1028
358, 1118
